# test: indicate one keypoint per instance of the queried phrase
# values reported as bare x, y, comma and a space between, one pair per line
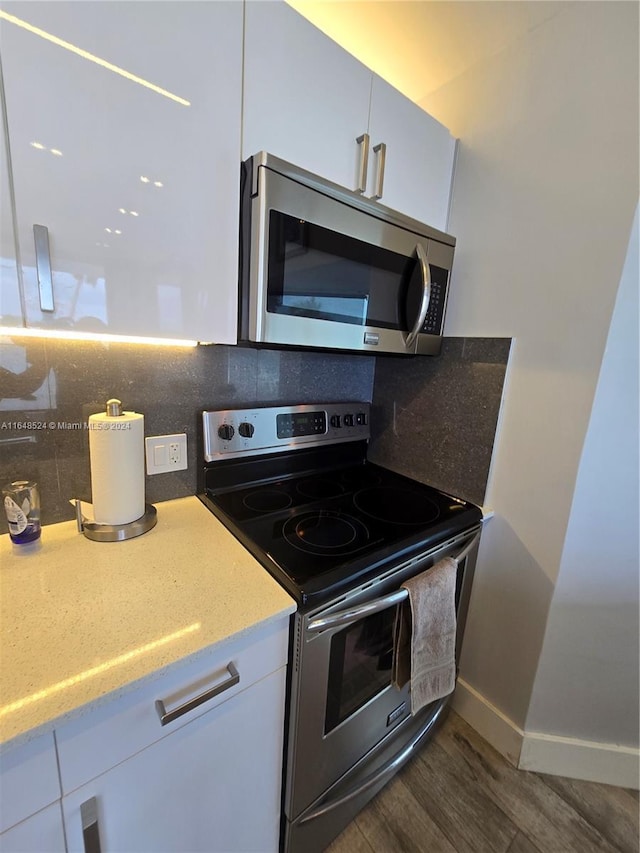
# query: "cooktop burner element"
317, 488
399, 506
267, 500
325, 532
300, 494
360, 478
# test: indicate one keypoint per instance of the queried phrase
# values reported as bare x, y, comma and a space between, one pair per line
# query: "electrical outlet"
166, 453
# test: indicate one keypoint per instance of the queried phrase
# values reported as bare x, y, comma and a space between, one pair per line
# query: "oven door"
325, 274
343, 701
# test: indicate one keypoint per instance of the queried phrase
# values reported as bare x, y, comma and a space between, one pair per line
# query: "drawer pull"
169, 716
90, 832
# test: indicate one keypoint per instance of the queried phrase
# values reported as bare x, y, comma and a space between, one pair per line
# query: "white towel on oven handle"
425, 635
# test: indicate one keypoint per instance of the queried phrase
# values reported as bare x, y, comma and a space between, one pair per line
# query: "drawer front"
111, 733
28, 780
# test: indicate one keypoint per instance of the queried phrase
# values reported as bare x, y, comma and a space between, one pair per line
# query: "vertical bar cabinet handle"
381, 151
43, 267
90, 831
363, 142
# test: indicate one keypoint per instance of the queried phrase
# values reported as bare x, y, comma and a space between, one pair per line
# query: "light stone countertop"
82, 621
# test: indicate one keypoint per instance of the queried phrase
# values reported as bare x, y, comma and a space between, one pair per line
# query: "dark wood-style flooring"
459, 795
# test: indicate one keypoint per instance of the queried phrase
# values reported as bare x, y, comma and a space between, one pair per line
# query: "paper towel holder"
115, 532
101, 532
114, 408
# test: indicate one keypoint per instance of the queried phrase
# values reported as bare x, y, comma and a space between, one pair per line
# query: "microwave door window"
321, 274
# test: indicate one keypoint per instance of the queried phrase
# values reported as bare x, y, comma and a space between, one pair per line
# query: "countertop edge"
227, 583
130, 686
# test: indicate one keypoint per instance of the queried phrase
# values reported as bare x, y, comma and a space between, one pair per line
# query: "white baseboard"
606, 763
497, 729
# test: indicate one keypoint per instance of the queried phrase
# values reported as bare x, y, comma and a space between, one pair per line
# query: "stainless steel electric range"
341, 534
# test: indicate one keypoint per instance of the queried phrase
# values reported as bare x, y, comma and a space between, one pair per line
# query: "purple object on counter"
22, 508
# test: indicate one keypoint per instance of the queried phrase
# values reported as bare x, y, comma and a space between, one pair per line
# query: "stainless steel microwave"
325, 268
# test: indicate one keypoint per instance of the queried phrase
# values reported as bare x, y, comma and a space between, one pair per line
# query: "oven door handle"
352, 614
383, 772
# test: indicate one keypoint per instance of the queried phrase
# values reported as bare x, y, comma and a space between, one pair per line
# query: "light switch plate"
166, 453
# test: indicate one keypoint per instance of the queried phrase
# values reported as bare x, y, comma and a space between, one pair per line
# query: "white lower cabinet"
190, 761
212, 785
30, 818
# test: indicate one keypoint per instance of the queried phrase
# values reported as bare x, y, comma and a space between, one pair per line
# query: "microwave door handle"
426, 295
353, 614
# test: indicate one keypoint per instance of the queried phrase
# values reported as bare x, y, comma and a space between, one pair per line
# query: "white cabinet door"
41, 833
11, 313
30, 815
28, 780
112, 732
212, 785
306, 99
124, 126
419, 157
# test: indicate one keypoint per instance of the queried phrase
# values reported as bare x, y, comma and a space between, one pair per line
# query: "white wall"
545, 190
587, 681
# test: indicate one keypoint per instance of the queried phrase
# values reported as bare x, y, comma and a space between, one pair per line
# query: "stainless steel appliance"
341, 534
323, 267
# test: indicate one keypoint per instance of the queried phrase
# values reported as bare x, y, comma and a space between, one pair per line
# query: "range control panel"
240, 432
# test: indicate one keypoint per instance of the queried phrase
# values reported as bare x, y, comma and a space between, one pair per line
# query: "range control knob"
226, 432
246, 429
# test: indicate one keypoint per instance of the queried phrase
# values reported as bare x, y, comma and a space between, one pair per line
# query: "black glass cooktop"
318, 532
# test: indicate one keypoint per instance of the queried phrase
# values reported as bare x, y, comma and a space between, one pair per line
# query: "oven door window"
359, 665
325, 275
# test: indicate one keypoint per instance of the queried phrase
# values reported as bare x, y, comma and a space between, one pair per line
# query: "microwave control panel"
435, 313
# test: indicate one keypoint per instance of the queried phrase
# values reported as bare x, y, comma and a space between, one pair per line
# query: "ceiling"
420, 45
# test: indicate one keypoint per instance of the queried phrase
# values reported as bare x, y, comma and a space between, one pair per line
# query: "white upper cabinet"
418, 156
10, 305
124, 129
306, 100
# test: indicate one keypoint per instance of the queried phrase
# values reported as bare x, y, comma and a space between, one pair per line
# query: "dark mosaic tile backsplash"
433, 419
44, 382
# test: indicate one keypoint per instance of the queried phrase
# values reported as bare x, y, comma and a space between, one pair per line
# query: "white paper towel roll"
116, 450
